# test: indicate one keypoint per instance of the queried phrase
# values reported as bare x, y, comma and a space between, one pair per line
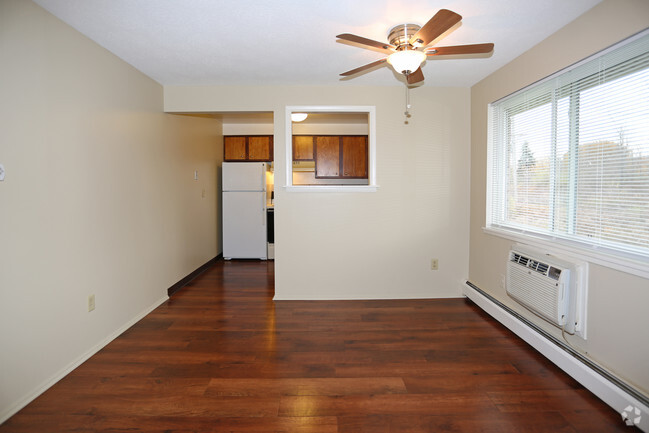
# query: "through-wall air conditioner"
551, 287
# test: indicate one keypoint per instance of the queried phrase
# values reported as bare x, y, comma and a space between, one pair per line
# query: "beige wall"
99, 198
247, 128
617, 303
368, 245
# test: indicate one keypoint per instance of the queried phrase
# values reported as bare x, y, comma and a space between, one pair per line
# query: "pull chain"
408, 106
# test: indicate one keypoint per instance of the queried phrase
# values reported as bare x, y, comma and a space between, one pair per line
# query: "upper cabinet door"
260, 148
234, 148
354, 156
257, 148
303, 148
327, 156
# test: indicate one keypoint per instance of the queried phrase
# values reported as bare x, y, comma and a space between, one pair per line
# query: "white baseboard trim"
609, 392
8, 413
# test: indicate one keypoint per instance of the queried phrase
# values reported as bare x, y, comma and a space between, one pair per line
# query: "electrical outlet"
434, 264
91, 303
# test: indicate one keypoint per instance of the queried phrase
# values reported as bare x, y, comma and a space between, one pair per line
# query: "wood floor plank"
157, 405
532, 400
172, 357
221, 356
465, 382
391, 404
81, 385
306, 386
174, 424
421, 369
546, 422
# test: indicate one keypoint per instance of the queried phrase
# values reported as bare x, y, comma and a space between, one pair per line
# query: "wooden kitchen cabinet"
303, 147
260, 148
354, 160
341, 156
327, 156
247, 148
234, 148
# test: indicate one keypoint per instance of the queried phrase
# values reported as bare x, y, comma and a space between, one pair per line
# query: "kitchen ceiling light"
298, 117
406, 61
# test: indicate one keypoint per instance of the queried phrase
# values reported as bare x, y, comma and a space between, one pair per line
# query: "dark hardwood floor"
221, 356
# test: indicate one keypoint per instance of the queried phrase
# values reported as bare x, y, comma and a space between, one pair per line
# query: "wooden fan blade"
382, 46
364, 67
460, 49
415, 77
440, 23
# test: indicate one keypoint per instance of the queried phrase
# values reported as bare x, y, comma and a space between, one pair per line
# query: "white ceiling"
257, 42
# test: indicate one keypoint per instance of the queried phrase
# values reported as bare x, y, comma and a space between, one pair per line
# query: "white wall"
368, 245
617, 303
99, 198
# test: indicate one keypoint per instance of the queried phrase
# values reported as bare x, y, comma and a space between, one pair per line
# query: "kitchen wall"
99, 198
617, 302
330, 128
367, 245
247, 128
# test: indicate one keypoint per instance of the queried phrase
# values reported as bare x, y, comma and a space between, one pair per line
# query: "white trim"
604, 389
592, 255
369, 109
331, 188
5, 415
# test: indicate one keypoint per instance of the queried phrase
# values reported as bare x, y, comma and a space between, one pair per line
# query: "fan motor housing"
400, 35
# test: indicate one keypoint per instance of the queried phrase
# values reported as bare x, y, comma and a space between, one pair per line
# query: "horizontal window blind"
569, 156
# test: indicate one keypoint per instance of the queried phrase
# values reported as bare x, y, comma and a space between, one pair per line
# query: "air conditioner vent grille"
532, 264
542, 268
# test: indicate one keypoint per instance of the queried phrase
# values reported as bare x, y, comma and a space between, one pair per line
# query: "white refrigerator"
244, 210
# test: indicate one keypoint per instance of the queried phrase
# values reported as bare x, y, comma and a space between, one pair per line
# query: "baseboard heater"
622, 397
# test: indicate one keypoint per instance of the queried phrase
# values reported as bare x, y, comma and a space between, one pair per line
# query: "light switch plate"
2, 172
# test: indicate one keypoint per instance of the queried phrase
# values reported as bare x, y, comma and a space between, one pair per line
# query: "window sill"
331, 188
636, 266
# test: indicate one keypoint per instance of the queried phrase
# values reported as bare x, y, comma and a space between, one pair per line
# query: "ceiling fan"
408, 45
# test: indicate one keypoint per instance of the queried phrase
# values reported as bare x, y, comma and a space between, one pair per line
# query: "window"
331, 148
569, 156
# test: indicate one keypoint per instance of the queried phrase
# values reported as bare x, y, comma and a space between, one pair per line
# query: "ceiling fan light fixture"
298, 117
406, 61
409, 46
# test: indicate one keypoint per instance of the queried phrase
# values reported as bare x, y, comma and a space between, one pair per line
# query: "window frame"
497, 174
371, 163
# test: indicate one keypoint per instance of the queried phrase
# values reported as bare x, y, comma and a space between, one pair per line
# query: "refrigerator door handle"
263, 209
263, 176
